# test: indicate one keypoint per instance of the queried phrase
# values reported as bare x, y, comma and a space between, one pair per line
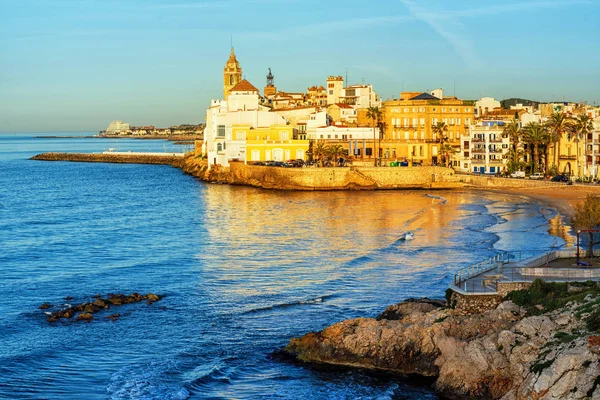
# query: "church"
240, 128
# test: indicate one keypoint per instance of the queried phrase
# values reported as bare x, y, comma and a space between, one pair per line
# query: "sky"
76, 65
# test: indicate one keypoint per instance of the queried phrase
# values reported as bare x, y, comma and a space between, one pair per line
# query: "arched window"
231, 79
219, 147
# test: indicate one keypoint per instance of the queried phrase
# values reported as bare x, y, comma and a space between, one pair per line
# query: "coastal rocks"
498, 354
87, 310
45, 306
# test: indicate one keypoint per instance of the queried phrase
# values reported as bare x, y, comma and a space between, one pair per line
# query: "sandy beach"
562, 198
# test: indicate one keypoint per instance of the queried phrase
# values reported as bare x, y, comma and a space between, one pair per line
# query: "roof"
425, 96
244, 86
342, 105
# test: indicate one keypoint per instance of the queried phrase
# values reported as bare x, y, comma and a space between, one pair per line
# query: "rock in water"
45, 306
85, 316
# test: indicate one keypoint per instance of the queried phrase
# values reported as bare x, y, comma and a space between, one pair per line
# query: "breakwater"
119, 158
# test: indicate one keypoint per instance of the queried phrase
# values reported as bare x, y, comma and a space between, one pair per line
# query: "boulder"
45, 306
152, 297
85, 316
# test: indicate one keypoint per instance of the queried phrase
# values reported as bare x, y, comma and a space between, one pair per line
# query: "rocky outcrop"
85, 311
498, 354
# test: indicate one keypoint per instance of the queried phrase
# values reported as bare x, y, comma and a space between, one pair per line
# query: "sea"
240, 270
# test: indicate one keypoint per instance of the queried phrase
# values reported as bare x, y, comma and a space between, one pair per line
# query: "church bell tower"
232, 74
270, 89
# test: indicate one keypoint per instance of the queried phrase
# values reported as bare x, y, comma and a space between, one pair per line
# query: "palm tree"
447, 149
319, 152
535, 134
374, 114
440, 130
513, 131
335, 151
558, 124
583, 126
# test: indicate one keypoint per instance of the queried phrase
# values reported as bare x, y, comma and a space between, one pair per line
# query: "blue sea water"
242, 270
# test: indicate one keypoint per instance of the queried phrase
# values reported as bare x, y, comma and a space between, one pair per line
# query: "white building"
116, 127
335, 84
485, 151
485, 105
241, 107
360, 96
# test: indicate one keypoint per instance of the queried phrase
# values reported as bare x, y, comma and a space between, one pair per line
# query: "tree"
582, 127
335, 151
513, 131
374, 114
587, 216
439, 130
558, 124
535, 134
319, 152
447, 150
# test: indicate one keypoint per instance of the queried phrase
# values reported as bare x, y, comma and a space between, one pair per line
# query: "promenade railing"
485, 266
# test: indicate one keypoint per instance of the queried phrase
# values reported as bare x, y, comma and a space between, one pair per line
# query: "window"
336, 136
422, 109
434, 121
465, 165
467, 109
331, 92
451, 137
240, 135
415, 121
224, 145
284, 135
415, 134
406, 110
231, 79
467, 121
445, 120
414, 109
422, 121
444, 109
221, 130
350, 136
368, 151
328, 136
433, 109
406, 135
421, 151
451, 121
405, 121
219, 147
422, 135
457, 121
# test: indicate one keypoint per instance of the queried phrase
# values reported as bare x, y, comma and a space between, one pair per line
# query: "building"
484, 105
485, 149
360, 96
116, 127
270, 90
408, 130
232, 74
241, 128
335, 84
343, 113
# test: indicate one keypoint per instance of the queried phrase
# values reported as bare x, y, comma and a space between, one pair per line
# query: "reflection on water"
243, 270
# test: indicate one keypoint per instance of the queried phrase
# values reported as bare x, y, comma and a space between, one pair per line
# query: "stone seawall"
352, 178
108, 158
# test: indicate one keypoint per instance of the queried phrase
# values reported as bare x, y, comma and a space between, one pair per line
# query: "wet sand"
562, 198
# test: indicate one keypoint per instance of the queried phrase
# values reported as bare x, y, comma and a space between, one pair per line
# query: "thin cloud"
324, 28
450, 30
447, 24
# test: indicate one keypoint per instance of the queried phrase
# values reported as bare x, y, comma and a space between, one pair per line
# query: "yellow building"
273, 143
408, 131
232, 74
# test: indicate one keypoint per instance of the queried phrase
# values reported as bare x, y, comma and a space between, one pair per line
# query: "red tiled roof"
342, 105
244, 86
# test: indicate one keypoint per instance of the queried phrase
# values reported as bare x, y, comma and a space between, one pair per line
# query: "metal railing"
473, 270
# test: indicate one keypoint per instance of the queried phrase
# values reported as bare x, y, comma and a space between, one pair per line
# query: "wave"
314, 300
433, 196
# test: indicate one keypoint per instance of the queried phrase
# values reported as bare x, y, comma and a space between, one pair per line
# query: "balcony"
478, 150
565, 157
496, 140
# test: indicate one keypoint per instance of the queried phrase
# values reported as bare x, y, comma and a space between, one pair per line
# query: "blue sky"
69, 65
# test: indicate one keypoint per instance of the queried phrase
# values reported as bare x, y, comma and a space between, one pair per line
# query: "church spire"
232, 74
